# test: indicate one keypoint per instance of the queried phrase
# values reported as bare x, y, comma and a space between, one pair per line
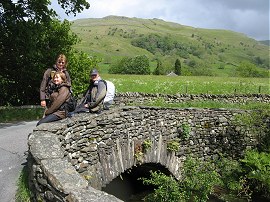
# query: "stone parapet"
137, 98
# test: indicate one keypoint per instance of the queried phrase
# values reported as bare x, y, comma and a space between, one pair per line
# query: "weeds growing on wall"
146, 145
173, 145
185, 131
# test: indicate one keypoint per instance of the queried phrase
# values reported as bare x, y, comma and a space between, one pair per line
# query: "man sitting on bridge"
94, 96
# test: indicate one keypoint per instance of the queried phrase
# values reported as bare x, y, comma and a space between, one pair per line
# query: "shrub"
247, 69
167, 188
197, 183
80, 66
199, 179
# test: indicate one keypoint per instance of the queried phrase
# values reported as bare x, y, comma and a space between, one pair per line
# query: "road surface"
13, 145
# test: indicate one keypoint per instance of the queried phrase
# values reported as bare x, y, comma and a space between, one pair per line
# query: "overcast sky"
250, 17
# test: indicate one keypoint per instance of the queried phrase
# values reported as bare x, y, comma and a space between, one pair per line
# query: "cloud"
245, 16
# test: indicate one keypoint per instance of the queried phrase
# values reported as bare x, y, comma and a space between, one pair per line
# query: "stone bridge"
76, 158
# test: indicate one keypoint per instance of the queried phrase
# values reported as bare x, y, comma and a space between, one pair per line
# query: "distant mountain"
265, 42
207, 51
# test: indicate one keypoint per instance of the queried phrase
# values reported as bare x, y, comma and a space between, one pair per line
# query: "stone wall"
137, 98
71, 160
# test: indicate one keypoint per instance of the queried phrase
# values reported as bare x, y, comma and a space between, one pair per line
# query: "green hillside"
216, 51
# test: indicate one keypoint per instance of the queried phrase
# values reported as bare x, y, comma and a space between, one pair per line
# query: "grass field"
189, 85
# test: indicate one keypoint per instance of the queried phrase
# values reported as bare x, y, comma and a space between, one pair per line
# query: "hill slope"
216, 51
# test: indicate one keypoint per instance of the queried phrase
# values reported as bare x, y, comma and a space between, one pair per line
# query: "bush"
197, 183
80, 65
247, 69
257, 168
167, 188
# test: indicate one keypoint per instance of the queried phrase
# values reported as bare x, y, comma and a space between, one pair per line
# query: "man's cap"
94, 72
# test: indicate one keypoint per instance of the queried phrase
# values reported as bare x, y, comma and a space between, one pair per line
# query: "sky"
250, 17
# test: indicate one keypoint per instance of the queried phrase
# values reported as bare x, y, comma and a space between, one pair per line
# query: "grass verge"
23, 193
14, 114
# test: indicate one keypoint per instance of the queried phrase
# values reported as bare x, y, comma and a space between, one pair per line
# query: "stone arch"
130, 184
127, 153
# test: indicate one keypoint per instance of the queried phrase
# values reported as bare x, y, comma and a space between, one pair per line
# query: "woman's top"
47, 83
59, 96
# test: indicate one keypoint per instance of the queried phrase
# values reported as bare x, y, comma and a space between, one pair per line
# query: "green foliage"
247, 69
185, 131
15, 114
173, 145
257, 168
257, 122
234, 181
247, 176
74, 6
197, 183
199, 179
138, 152
165, 45
159, 69
167, 188
227, 178
128, 65
80, 65
146, 145
177, 67
23, 193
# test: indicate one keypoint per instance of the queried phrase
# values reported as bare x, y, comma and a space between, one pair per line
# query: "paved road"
13, 144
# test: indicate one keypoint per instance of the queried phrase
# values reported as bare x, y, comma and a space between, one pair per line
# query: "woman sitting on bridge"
60, 94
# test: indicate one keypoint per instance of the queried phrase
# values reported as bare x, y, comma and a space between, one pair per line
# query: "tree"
140, 65
81, 65
177, 67
31, 38
247, 69
159, 69
127, 65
